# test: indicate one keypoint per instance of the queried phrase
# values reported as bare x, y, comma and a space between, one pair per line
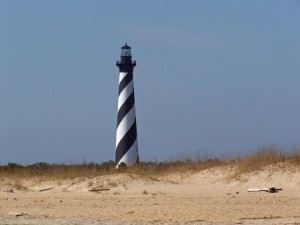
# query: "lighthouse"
126, 138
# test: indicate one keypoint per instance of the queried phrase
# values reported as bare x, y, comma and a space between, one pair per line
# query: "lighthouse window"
125, 52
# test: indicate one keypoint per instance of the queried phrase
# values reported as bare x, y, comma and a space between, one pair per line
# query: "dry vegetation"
261, 158
268, 157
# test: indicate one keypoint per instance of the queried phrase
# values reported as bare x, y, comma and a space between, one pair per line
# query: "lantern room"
126, 50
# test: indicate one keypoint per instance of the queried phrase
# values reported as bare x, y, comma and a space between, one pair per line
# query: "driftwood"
46, 189
270, 190
17, 214
99, 189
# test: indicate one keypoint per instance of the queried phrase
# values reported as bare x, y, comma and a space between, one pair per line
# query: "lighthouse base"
131, 157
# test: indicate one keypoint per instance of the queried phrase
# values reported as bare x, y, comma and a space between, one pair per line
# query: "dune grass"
266, 157
255, 161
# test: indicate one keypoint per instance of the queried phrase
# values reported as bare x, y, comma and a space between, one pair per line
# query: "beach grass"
254, 161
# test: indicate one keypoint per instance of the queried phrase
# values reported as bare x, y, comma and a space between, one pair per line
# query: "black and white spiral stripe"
126, 140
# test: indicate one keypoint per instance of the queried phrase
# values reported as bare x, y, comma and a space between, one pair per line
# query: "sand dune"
208, 197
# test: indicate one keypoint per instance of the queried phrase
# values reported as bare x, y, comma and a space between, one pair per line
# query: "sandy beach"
206, 197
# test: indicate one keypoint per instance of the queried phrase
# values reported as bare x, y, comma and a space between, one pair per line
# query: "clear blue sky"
217, 77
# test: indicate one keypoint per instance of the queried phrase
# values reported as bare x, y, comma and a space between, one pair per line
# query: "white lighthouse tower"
126, 138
